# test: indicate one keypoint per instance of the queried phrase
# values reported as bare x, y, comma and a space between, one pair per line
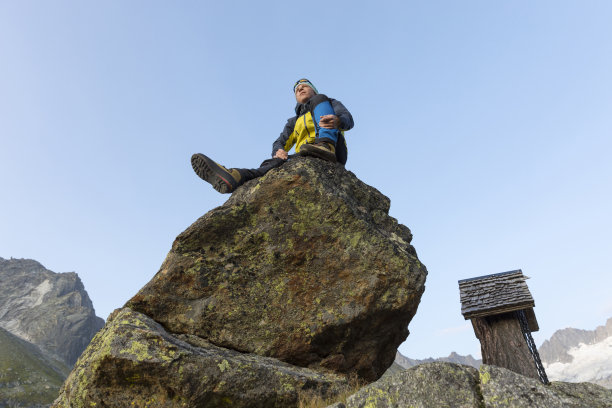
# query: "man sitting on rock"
317, 129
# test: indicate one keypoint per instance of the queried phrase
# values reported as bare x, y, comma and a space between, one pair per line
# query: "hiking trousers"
266, 166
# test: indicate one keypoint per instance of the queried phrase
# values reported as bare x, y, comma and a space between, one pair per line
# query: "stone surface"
51, 310
134, 362
452, 385
303, 264
505, 388
424, 386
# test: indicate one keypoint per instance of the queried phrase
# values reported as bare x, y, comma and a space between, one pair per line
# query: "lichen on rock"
300, 281
449, 385
133, 361
304, 265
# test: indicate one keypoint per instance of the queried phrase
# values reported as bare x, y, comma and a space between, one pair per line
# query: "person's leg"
321, 106
263, 168
324, 145
227, 180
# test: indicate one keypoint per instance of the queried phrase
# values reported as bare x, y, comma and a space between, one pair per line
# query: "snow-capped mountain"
575, 355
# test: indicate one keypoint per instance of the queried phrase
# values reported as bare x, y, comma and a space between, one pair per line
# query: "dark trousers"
266, 166
319, 105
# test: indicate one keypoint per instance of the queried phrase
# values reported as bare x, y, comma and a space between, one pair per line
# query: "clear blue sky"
488, 124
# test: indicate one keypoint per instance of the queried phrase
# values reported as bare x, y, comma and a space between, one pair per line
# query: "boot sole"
309, 150
210, 172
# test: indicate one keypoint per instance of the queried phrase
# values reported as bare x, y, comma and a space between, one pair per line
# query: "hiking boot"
223, 180
322, 150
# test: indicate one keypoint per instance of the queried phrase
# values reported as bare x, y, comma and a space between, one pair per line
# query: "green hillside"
27, 377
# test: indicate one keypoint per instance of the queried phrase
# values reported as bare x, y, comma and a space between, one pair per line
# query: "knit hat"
305, 82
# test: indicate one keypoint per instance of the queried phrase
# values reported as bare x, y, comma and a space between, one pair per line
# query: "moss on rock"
453, 385
303, 264
133, 361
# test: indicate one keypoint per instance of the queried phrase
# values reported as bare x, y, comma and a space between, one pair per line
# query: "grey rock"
51, 310
134, 362
304, 265
452, 385
394, 369
505, 388
423, 386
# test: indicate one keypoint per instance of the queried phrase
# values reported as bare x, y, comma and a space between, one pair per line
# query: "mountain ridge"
453, 357
577, 355
46, 320
49, 309
570, 355
556, 348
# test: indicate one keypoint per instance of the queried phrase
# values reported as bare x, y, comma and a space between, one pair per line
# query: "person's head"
304, 90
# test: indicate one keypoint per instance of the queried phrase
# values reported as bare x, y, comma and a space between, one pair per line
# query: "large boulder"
134, 362
453, 385
304, 265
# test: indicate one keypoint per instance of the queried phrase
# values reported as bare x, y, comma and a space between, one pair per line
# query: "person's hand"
329, 122
281, 154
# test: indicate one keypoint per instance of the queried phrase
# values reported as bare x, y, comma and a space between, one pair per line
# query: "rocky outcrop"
134, 362
298, 282
50, 310
458, 386
304, 265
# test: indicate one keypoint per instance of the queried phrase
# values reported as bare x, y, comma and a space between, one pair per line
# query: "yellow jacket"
301, 129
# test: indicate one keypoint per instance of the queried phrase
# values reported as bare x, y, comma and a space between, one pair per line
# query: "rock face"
50, 310
134, 362
298, 282
458, 386
304, 265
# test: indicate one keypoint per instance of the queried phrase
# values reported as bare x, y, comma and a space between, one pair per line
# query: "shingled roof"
495, 294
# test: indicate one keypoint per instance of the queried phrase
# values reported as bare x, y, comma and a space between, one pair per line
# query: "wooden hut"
500, 307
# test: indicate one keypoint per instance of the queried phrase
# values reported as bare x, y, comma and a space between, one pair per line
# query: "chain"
531, 345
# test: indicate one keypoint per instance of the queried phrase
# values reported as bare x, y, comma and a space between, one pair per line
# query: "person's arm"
280, 145
346, 119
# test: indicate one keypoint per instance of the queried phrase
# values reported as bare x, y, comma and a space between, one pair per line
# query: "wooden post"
502, 343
